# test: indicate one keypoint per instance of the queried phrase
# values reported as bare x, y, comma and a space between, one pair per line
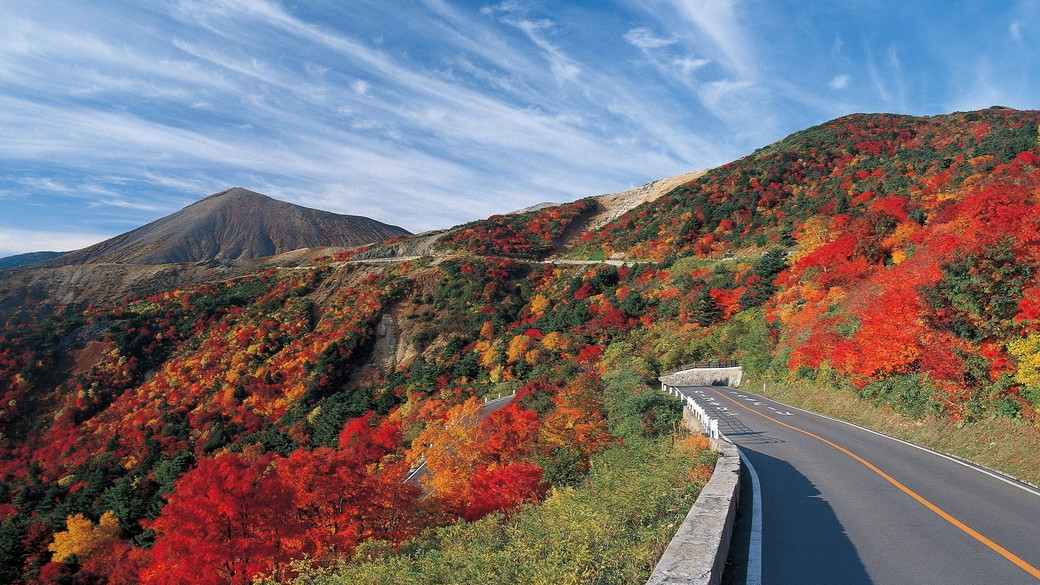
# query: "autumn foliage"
236, 516
527, 235
475, 465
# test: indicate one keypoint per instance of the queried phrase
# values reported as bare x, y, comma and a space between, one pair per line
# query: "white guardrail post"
710, 425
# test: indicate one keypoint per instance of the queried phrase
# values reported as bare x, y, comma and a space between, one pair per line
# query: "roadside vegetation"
610, 528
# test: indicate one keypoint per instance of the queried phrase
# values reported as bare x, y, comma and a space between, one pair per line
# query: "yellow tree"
82, 537
538, 305
449, 448
518, 346
555, 341
577, 422
812, 234
1027, 352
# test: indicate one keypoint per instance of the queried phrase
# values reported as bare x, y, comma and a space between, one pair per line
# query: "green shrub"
649, 414
909, 394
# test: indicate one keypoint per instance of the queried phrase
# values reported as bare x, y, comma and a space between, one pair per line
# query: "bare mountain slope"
617, 204
236, 224
613, 205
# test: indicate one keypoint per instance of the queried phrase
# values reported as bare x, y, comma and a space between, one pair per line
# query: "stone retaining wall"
697, 553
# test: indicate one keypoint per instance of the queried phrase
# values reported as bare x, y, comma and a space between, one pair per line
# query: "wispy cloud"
644, 38
687, 65
721, 23
1015, 30
538, 31
438, 112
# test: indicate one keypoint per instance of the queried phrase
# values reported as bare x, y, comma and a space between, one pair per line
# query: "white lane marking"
1028, 488
415, 471
754, 565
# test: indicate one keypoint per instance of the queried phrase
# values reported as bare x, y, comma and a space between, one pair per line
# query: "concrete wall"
697, 553
705, 377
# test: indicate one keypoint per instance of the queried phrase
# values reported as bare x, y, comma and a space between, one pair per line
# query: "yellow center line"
939, 511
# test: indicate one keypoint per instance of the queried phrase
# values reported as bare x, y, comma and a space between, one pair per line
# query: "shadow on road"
803, 541
739, 432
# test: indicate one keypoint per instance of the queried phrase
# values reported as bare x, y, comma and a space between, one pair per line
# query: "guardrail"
710, 364
708, 424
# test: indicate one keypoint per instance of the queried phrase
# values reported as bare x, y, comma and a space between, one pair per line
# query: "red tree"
226, 522
503, 488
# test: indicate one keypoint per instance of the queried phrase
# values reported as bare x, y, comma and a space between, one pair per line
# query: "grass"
1002, 444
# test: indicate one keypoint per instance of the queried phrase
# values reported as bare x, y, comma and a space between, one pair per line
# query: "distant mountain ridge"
236, 224
27, 258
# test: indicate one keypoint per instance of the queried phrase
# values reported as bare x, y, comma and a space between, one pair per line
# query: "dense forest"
230, 430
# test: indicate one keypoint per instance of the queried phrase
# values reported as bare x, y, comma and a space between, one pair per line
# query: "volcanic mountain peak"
236, 224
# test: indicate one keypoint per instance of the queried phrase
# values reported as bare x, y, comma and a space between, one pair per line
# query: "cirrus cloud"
440, 112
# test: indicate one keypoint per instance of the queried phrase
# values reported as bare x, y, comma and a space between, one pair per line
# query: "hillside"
892, 258
912, 266
842, 167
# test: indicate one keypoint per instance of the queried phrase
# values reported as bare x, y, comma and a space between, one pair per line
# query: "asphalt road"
844, 505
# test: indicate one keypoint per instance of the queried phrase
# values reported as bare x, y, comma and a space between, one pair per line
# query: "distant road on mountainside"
491, 405
841, 504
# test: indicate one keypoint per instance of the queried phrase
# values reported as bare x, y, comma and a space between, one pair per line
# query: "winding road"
490, 405
840, 504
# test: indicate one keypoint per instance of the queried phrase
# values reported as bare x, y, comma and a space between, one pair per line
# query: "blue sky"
430, 113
